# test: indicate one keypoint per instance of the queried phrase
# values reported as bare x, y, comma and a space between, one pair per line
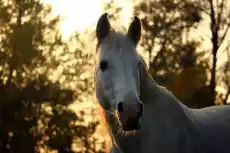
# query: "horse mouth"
131, 125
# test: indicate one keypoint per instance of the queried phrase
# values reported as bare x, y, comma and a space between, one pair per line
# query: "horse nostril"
120, 107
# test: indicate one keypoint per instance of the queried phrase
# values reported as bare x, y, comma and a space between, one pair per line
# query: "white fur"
122, 76
167, 126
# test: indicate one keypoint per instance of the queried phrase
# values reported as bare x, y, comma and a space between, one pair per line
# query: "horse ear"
134, 31
103, 27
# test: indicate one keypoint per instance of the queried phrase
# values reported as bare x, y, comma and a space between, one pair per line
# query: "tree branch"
219, 15
153, 64
226, 96
204, 11
213, 26
224, 35
225, 49
226, 69
212, 13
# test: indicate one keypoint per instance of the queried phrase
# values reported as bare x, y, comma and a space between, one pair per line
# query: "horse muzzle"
129, 114
131, 124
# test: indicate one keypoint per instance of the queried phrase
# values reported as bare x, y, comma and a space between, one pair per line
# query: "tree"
219, 17
114, 14
225, 81
172, 56
37, 74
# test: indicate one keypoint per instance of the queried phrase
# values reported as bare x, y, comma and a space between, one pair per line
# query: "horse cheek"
100, 96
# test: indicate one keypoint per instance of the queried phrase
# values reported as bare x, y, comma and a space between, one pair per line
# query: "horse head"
117, 72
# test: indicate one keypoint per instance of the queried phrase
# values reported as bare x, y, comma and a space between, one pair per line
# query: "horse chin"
128, 124
131, 125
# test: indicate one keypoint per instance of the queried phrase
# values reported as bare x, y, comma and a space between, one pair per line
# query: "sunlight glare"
82, 14
127, 11
77, 14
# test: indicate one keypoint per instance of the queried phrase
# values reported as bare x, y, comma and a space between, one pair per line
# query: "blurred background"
47, 99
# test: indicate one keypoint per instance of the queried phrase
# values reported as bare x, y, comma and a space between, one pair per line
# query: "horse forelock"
116, 41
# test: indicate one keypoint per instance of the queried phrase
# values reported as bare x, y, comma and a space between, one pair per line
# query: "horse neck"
165, 119
158, 101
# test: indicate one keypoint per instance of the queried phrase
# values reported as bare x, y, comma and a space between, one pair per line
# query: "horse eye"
103, 65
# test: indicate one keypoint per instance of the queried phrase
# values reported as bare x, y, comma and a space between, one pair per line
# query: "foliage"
114, 11
218, 15
38, 71
173, 58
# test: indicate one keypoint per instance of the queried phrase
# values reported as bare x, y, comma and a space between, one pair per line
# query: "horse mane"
162, 88
104, 128
114, 40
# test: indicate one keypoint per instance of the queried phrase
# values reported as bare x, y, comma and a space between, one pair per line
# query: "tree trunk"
214, 30
212, 84
14, 49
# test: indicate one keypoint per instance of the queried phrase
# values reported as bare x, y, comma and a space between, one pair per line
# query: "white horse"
143, 117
